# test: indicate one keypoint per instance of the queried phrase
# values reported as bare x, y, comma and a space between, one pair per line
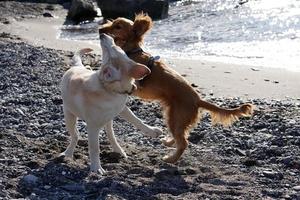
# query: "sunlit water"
259, 32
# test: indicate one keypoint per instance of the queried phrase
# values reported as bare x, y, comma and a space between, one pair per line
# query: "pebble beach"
256, 158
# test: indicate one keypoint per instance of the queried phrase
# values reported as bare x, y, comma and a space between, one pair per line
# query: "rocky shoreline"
256, 158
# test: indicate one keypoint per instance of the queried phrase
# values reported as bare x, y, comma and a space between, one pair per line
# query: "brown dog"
180, 102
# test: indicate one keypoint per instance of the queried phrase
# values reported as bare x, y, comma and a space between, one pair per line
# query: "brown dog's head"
126, 33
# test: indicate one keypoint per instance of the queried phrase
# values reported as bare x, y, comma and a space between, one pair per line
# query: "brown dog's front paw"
170, 159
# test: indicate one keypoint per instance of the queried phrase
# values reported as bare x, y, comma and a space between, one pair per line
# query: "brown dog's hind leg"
180, 120
181, 145
178, 123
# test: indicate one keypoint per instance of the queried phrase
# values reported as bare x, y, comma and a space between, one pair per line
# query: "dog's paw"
66, 154
153, 132
170, 159
169, 142
98, 170
120, 151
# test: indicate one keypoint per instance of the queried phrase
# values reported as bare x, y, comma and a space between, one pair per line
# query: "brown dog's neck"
134, 51
138, 55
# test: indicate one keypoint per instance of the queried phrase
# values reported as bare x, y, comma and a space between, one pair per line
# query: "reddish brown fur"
179, 100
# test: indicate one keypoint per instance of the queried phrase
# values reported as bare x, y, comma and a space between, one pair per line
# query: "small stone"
190, 171
30, 179
20, 111
240, 152
63, 173
273, 175
255, 69
296, 188
47, 187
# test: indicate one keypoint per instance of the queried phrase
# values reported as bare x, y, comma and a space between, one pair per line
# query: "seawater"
255, 32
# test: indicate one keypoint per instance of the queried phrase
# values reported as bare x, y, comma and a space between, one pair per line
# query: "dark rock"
30, 180
74, 187
47, 14
81, 10
250, 162
57, 100
259, 125
156, 9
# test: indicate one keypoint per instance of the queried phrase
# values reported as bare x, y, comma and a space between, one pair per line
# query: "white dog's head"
118, 71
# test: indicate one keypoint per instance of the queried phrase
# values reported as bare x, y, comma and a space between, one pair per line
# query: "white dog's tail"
76, 59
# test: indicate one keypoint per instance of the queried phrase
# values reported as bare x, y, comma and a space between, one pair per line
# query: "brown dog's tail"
226, 116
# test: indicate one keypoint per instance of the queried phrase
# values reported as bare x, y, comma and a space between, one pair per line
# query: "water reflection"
261, 32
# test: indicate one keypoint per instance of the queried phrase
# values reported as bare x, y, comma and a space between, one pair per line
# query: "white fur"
129, 116
87, 95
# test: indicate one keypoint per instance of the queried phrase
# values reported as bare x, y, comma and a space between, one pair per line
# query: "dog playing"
98, 96
180, 102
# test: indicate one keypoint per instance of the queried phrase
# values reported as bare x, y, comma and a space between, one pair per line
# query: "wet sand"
211, 78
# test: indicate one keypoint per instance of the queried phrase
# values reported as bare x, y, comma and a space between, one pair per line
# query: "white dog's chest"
108, 109
98, 110
84, 96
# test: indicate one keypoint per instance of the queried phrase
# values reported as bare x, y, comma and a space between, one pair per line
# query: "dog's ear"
110, 74
141, 25
139, 71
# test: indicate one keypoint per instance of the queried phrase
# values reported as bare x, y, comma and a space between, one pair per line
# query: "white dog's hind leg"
151, 131
112, 139
93, 140
70, 121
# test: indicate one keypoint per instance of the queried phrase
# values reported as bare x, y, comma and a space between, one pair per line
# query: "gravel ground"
256, 158
18, 10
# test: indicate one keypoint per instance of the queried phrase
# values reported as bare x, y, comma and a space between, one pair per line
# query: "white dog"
98, 96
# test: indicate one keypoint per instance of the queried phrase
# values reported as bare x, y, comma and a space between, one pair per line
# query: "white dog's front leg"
128, 115
112, 139
93, 140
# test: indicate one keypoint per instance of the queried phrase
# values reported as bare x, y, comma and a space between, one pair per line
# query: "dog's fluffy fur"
180, 102
97, 97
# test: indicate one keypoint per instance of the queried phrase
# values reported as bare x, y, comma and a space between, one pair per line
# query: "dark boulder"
156, 9
81, 10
